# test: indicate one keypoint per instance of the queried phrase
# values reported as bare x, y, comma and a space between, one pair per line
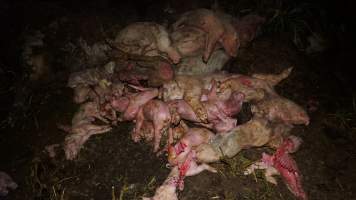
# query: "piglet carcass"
92, 76
182, 154
217, 30
146, 39
192, 139
130, 104
6, 183
254, 133
219, 112
82, 128
190, 43
280, 109
90, 111
189, 40
79, 134
190, 167
147, 131
167, 191
156, 112
156, 72
99, 93
191, 88
282, 163
255, 87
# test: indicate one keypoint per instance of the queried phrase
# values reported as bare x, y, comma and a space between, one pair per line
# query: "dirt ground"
111, 166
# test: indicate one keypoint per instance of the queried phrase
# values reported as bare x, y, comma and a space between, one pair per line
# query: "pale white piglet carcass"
146, 39
167, 191
280, 109
254, 133
219, 30
157, 112
191, 88
82, 128
190, 43
206, 41
92, 76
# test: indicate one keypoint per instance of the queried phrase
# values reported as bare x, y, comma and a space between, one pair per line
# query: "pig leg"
274, 79
157, 135
170, 136
137, 101
173, 54
102, 119
208, 126
211, 40
195, 169
139, 121
257, 165
113, 117
164, 44
169, 142
139, 88
269, 173
215, 29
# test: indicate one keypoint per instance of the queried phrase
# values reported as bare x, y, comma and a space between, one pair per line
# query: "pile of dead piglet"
168, 81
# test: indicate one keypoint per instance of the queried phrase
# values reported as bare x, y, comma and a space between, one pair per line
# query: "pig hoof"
155, 149
135, 138
210, 169
213, 170
159, 153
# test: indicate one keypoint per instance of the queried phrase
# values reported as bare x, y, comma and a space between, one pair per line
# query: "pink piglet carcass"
219, 111
183, 154
156, 112
281, 162
130, 104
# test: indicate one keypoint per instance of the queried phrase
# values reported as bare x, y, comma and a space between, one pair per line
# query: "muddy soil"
111, 166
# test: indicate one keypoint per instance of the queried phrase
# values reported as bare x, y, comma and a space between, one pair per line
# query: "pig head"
280, 109
146, 39
247, 28
215, 28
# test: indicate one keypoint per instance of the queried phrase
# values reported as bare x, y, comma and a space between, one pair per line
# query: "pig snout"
231, 44
304, 118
